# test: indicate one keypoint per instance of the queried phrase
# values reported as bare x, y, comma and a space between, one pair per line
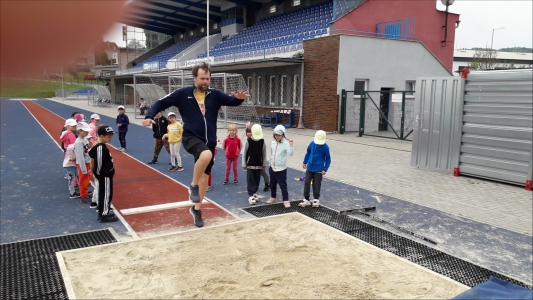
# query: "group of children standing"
254, 161
87, 159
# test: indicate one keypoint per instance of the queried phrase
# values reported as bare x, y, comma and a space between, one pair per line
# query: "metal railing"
380, 117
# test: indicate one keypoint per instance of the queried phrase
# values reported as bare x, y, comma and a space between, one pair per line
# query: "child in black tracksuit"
254, 161
103, 169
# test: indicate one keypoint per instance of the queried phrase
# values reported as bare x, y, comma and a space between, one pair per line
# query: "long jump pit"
289, 256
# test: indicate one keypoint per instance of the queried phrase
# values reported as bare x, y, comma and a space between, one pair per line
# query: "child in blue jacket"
122, 122
316, 163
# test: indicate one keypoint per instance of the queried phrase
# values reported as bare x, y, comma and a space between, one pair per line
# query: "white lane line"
150, 208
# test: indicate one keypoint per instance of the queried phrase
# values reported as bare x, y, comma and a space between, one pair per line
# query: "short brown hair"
249, 128
204, 66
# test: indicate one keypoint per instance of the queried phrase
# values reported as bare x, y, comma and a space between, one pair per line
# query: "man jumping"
198, 106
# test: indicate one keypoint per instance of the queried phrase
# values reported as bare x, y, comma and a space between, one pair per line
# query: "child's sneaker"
152, 162
120, 149
304, 203
287, 204
316, 203
208, 188
108, 218
124, 151
93, 205
75, 195
235, 181
85, 200
225, 182
179, 169
173, 169
271, 200
267, 188
251, 200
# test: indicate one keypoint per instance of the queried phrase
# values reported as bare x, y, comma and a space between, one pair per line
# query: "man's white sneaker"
304, 203
251, 200
316, 203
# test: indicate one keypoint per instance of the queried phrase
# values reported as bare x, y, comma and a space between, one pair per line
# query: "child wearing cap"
103, 169
280, 148
174, 134
81, 150
79, 117
95, 119
65, 128
122, 122
67, 136
316, 163
254, 161
264, 174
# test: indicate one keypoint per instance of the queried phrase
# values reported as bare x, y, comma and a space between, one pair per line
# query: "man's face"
202, 80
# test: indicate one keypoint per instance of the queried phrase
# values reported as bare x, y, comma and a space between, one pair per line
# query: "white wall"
385, 63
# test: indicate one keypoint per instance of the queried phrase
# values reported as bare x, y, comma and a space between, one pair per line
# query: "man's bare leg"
200, 165
202, 184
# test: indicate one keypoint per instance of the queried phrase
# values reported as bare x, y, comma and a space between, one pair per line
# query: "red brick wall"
320, 98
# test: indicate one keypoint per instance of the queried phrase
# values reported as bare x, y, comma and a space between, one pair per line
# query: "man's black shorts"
196, 146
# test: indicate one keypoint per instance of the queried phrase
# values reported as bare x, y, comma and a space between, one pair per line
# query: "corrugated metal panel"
497, 130
438, 115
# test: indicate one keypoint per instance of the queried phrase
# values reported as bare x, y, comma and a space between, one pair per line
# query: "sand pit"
280, 257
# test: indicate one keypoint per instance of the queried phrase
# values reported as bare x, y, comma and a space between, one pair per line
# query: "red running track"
137, 185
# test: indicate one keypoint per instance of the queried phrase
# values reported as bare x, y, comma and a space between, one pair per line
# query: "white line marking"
150, 208
377, 198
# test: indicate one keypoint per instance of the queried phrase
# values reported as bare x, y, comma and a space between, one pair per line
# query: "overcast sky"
478, 18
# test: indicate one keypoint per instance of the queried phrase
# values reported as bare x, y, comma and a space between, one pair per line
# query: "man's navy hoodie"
194, 122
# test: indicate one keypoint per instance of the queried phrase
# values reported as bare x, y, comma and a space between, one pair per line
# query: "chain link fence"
148, 88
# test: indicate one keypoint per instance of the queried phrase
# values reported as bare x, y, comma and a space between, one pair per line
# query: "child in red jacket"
232, 147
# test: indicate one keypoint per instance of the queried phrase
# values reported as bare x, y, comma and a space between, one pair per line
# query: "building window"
295, 90
272, 9
258, 87
181, 36
272, 90
283, 89
295, 2
358, 86
202, 29
410, 88
191, 33
215, 26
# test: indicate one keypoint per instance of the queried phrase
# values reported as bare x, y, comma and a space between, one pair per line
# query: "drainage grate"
430, 258
29, 269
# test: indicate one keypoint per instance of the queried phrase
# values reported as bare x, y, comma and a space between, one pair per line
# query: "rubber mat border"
452, 267
30, 270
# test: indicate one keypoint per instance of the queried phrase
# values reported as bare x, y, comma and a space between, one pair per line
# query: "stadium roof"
173, 16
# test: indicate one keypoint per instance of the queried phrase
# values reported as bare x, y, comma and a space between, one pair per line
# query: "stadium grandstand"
294, 56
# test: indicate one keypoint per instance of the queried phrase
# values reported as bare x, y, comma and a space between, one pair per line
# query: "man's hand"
323, 172
119, 125
304, 166
244, 168
148, 122
240, 94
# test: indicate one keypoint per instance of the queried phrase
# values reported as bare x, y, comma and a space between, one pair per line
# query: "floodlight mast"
208, 30
447, 3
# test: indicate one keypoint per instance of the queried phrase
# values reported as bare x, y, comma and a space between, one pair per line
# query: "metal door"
438, 122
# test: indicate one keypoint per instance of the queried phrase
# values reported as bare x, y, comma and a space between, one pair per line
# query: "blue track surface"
35, 199
494, 248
